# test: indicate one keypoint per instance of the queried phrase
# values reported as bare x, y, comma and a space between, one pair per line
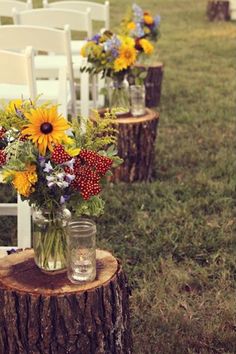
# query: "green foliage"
100, 131
92, 207
20, 154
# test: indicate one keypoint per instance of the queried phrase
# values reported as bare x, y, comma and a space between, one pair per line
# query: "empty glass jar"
137, 99
81, 247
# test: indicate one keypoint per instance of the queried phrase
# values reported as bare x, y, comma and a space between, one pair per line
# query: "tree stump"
152, 82
218, 10
136, 146
46, 314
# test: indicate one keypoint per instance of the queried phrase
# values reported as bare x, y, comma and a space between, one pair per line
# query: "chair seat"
47, 88
48, 65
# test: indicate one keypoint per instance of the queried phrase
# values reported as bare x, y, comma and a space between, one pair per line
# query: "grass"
176, 235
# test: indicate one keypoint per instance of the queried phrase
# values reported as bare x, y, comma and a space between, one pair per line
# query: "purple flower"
69, 178
157, 20
69, 163
138, 31
138, 12
64, 198
48, 167
42, 161
112, 44
96, 38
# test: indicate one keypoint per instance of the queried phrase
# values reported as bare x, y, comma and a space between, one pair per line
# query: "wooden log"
46, 314
218, 10
152, 82
136, 146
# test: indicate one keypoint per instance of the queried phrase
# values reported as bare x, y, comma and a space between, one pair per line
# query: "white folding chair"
6, 7
16, 37
99, 12
58, 18
19, 72
232, 9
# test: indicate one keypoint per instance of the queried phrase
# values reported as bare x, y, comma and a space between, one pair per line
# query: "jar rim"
82, 226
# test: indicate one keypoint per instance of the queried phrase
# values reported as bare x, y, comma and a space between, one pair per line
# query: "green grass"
176, 235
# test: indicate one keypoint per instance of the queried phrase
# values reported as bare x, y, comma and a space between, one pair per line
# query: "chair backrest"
56, 18
99, 12
20, 71
6, 6
17, 37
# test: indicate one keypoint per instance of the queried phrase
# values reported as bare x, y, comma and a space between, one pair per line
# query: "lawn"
176, 236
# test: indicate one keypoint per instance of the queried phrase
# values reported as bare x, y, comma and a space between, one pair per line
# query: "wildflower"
46, 127
146, 46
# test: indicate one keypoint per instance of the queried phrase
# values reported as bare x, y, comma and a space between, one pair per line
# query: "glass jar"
137, 99
119, 95
49, 239
81, 251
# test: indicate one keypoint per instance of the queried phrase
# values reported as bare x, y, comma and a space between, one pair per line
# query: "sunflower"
127, 57
131, 26
146, 46
46, 127
148, 19
23, 181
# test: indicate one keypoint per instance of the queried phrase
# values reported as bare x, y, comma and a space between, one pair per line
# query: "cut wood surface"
46, 314
218, 10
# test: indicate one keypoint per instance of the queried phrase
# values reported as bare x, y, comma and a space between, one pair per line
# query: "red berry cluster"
100, 163
87, 182
3, 157
88, 169
59, 155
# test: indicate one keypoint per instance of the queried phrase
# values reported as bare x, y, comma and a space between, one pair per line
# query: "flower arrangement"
142, 26
109, 53
47, 159
50, 163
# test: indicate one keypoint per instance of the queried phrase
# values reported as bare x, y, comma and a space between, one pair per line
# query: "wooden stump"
218, 10
46, 314
153, 82
136, 146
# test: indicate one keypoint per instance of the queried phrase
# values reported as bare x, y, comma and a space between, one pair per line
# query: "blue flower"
138, 12
64, 198
138, 32
112, 45
157, 20
96, 38
48, 167
42, 161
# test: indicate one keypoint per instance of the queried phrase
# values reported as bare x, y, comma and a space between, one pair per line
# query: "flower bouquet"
50, 163
144, 29
113, 56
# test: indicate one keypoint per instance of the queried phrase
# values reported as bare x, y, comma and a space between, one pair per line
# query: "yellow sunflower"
148, 19
23, 181
146, 45
131, 26
46, 127
127, 57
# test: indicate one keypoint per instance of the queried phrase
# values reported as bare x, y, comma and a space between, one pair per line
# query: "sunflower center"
46, 128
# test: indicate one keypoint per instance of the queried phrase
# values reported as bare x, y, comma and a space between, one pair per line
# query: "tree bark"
218, 10
136, 146
152, 82
46, 314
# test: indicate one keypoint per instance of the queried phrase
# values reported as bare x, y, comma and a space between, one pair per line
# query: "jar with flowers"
112, 55
56, 168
